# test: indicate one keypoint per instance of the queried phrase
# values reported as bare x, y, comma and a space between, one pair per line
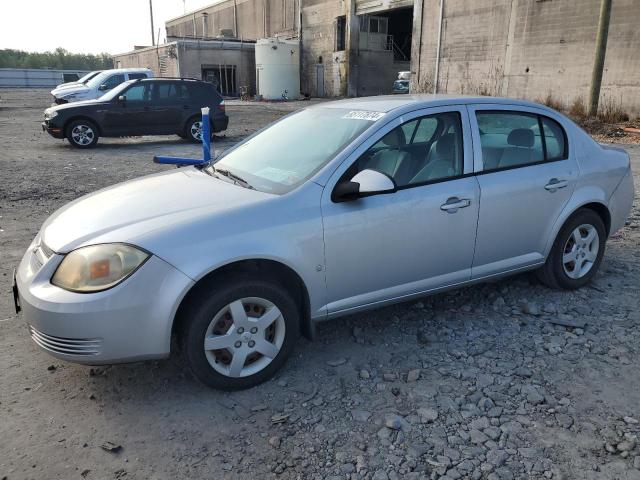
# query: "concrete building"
227, 63
517, 48
526, 48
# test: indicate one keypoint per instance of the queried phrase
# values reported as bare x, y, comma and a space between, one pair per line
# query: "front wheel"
82, 134
238, 334
576, 253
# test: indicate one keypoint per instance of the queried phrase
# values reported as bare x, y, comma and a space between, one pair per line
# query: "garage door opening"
384, 49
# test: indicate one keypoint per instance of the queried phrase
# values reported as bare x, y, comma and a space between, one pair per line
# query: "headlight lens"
49, 114
98, 267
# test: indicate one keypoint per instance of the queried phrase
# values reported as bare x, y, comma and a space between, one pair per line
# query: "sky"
85, 26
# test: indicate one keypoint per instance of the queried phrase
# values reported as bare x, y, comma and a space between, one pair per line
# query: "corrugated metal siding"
27, 77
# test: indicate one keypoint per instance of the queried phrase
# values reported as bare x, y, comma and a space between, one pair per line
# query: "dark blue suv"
154, 106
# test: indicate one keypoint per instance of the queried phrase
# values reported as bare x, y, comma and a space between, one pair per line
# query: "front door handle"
555, 184
454, 203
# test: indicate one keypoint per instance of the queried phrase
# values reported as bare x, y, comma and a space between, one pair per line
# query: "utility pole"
601, 50
153, 39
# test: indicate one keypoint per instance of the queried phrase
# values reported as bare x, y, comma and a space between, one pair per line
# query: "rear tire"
193, 130
576, 253
82, 134
227, 325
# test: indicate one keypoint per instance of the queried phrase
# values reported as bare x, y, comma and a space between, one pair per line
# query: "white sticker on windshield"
364, 115
277, 175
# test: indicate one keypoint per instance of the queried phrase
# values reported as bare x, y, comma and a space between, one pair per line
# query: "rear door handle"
555, 184
454, 203
186, 107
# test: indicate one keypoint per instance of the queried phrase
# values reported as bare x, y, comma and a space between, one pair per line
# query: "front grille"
39, 256
66, 346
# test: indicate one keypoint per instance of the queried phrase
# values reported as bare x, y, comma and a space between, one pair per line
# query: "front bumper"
54, 131
129, 322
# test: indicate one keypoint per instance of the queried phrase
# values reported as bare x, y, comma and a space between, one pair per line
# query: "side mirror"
103, 87
365, 183
122, 98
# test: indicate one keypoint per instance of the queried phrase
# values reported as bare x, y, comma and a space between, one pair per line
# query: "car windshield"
87, 77
98, 79
116, 91
281, 157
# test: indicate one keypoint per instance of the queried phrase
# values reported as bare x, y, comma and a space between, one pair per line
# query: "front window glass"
140, 93
113, 81
98, 80
424, 150
111, 94
509, 139
284, 155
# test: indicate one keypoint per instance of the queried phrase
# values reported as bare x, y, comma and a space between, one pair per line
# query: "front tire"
236, 334
82, 134
576, 253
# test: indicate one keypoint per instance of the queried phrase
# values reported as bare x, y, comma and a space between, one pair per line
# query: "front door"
527, 174
133, 116
419, 238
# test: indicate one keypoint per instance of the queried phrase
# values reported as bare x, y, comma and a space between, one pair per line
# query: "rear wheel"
238, 334
82, 134
193, 130
576, 253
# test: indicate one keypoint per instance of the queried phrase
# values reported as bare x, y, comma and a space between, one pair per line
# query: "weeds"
611, 112
577, 109
552, 102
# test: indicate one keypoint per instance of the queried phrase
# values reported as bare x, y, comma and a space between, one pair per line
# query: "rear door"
527, 173
171, 100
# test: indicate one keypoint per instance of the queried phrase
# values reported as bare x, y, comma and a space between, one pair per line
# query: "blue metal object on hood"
206, 147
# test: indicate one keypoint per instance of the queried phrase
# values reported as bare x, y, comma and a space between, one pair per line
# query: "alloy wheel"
196, 130
82, 134
580, 251
244, 337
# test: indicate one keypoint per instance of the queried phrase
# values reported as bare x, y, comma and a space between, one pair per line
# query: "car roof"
126, 70
387, 103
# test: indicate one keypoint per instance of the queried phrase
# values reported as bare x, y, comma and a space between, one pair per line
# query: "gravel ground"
498, 381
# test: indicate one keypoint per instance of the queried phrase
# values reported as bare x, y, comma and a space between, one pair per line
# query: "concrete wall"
526, 48
194, 55
186, 58
245, 19
162, 60
318, 48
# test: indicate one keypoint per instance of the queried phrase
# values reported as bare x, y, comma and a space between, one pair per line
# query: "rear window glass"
554, 138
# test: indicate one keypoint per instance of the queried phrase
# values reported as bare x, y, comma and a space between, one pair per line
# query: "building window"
341, 28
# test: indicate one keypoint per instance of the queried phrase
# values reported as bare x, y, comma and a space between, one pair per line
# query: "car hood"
78, 89
129, 211
67, 106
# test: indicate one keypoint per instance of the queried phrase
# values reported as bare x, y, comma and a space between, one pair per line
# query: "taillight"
221, 106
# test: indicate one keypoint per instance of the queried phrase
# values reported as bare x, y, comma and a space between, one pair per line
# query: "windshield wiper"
236, 178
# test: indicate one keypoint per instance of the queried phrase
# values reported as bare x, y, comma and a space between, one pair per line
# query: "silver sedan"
334, 209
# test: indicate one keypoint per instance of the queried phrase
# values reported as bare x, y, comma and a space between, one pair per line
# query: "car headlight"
48, 115
98, 267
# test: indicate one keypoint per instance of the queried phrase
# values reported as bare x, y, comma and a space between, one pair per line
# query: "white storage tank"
278, 69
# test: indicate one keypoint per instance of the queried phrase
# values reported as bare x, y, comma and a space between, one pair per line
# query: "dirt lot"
477, 383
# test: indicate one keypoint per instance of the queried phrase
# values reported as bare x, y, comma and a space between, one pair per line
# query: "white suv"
98, 85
